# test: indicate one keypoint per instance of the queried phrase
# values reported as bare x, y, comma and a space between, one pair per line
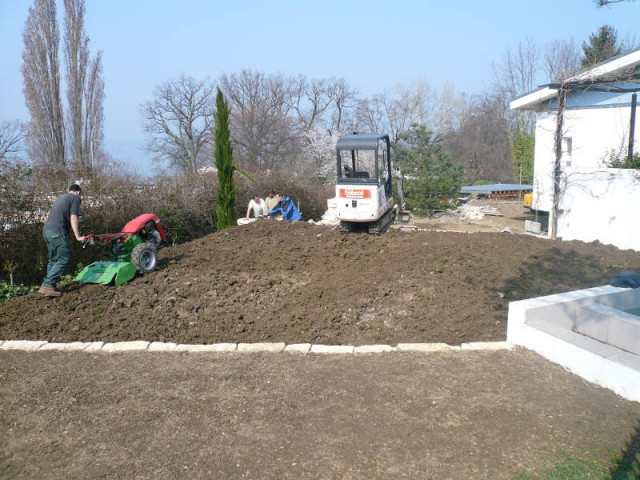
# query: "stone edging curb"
301, 348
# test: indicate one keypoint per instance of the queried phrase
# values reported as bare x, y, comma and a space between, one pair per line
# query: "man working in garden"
286, 207
62, 218
257, 205
270, 202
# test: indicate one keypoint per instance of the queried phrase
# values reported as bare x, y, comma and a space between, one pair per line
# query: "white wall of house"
543, 160
596, 203
589, 136
603, 205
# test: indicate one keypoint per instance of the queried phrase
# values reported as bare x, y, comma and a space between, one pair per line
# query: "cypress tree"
224, 162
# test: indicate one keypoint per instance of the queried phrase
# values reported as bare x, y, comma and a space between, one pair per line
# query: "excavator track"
383, 223
346, 227
374, 228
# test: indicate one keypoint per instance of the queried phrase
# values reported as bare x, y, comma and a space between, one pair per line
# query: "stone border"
299, 348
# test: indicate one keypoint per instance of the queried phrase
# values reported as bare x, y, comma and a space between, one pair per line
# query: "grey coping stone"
73, 346
298, 348
261, 347
593, 320
626, 359
214, 347
580, 341
162, 346
423, 347
22, 345
486, 346
330, 349
374, 349
624, 331
132, 346
94, 347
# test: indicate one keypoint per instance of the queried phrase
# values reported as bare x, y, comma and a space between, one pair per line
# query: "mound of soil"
299, 282
456, 414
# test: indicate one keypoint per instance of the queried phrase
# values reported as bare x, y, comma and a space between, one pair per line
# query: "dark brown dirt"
455, 415
297, 282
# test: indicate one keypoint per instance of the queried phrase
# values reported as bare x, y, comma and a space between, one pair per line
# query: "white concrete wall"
603, 205
546, 326
544, 157
597, 203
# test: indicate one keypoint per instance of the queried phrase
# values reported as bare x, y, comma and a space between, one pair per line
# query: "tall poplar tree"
224, 162
85, 89
45, 139
53, 138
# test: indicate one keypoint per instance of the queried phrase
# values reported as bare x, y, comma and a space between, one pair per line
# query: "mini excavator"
364, 187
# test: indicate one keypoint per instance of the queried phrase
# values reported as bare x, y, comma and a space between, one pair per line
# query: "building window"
567, 148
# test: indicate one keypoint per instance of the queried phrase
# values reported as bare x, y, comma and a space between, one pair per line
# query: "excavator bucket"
104, 273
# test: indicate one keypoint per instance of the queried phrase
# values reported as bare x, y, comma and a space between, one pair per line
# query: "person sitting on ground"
271, 201
286, 207
257, 205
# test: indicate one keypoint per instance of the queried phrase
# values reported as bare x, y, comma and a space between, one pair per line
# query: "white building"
595, 202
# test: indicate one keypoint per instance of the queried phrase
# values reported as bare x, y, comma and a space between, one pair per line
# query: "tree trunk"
557, 167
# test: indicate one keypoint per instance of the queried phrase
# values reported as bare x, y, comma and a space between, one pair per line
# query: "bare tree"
179, 121
93, 135
310, 100
41, 74
262, 128
76, 48
11, 134
602, 3
517, 72
344, 101
561, 60
85, 89
558, 187
481, 143
410, 104
448, 111
394, 112
371, 114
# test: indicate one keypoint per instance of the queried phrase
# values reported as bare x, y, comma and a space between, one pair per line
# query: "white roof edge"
621, 63
533, 98
529, 101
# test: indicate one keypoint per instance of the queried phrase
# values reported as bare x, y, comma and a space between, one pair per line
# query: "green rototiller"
134, 249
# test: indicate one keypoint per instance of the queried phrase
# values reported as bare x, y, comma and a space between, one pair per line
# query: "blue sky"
372, 44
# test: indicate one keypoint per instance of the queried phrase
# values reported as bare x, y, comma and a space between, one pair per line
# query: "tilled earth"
303, 283
455, 415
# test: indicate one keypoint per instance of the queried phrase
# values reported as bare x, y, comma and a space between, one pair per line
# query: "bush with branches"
186, 205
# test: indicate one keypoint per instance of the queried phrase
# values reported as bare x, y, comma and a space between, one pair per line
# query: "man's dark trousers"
59, 256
